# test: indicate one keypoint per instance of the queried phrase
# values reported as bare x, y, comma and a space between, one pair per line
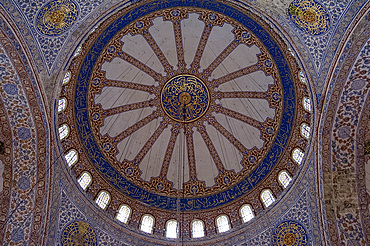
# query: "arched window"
246, 213
222, 223
307, 104
103, 199
302, 77
147, 223
284, 179
123, 213
66, 78
84, 180
305, 130
63, 131
62, 103
267, 198
291, 52
78, 51
298, 155
171, 229
71, 157
197, 228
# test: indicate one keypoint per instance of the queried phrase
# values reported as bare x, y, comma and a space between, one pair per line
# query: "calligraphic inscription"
185, 98
78, 233
310, 16
289, 233
205, 96
56, 17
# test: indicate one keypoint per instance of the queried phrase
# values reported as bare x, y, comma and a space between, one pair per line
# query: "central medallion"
185, 98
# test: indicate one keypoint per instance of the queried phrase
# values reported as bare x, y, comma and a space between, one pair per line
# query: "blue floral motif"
24, 133
10, 89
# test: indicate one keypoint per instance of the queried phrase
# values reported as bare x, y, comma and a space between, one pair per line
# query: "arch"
103, 199
124, 213
305, 130
222, 224
62, 104
246, 213
284, 179
267, 197
172, 229
197, 229
71, 157
84, 180
63, 131
298, 155
147, 223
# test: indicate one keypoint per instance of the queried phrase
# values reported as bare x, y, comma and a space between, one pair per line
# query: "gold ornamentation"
289, 239
56, 17
289, 233
185, 98
78, 233
310, 16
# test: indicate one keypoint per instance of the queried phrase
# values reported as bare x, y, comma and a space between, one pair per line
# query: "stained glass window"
297, 155
302, 77
267, 198
71, 157
197, 228
307, 104
62, 103
284, 179
123, 213
305, 130
63, 131
222, 223
171, 229
246, 213
84, 180
147, 223
67, 77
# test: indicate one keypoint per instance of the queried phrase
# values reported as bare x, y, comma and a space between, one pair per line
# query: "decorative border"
35, 101
335, 87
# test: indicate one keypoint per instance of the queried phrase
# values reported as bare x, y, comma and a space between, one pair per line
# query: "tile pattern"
25, 112
344, 108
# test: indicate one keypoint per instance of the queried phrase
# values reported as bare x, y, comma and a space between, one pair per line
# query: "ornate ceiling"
182, 108
184, 122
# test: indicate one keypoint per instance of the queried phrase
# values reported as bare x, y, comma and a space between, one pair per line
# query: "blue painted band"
159, 201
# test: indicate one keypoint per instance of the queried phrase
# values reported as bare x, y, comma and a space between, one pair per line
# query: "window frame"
152, 226
127, 217
68, 131
301, 156
87, 186
192, 231
272, 195
241, 215
218, 226
177, 228
66, 103
74, 163
290, 178
107, 203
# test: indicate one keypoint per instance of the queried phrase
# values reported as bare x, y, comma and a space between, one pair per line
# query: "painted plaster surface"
341, 179
22, 220
299, 209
